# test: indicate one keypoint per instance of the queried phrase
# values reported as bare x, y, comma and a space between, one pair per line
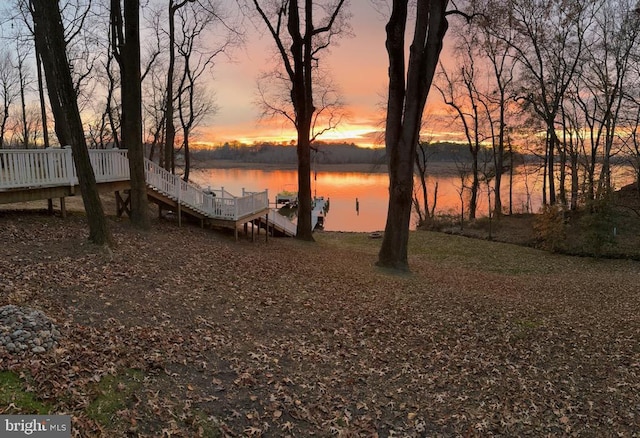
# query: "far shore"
443, 167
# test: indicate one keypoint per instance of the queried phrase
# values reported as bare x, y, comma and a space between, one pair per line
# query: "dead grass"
615, 234
297, 339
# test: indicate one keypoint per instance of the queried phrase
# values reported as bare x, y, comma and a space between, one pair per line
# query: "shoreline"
435, 168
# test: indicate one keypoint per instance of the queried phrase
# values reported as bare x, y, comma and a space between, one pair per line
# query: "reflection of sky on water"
371, 190
342, 189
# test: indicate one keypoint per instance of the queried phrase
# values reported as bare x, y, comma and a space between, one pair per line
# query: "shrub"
550, 227
598, 227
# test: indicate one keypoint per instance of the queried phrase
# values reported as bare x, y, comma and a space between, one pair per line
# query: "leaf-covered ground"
184, 332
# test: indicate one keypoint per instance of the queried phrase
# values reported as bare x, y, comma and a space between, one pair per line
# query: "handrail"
212, 203
32, 168
24, 168
283, 222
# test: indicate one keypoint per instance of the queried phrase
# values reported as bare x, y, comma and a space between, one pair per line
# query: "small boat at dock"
287, 197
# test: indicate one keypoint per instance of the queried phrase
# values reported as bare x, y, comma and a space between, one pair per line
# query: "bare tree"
43, 106
170, 129
630, 135
109, 125
154, 83
407, 95
460, 92
197, 58
548, 43
498, 52
574, 143
632, 144
125, 25
424, 210
464, 171
80, 37
9, 91
25, 80
49, 37
27, 125
605, 79
154, 107
300, 38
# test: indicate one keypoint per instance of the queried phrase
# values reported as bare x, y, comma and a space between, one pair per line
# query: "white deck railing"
26, 168
282, 222
214, 203
35, 168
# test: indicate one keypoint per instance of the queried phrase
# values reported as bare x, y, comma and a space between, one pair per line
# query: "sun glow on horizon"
364, 137
360, 135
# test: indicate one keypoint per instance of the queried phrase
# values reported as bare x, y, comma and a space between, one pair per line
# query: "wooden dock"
279, 225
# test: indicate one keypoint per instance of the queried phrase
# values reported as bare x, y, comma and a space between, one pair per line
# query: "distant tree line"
325, 153
286, 154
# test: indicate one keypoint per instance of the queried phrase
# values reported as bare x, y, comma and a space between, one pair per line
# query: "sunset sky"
358, 65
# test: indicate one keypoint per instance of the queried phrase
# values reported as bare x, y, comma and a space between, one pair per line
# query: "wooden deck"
37, 174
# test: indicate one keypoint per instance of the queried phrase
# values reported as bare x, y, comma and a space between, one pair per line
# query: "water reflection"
359, 200
341, 188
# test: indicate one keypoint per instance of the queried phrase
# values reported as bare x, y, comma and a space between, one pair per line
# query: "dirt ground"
297, 339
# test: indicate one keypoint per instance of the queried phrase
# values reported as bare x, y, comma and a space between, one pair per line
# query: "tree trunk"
170, 136
574, 181
562, 189
562, 155
497, 192
23, 104
405, 106
475, 183
187, 156
303, 228
422, 174
499, 160
302, 99
109, 110
394, 249
553, 141
511, 167
132, 113
49, 37
43, 107
5, 118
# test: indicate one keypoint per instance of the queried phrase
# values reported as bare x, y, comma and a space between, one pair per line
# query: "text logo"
37, 426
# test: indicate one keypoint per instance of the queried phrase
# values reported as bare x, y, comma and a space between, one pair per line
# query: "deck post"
70, 167
63, 207
266, 224
179, 205
50, 206
123, 205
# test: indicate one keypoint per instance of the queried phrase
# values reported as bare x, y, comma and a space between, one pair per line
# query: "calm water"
370, 189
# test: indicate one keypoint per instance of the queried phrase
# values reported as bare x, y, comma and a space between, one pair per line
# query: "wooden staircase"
32, 174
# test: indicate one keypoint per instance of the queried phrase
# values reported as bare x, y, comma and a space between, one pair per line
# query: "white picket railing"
54, 167
282, 222
33, 168
218, 204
